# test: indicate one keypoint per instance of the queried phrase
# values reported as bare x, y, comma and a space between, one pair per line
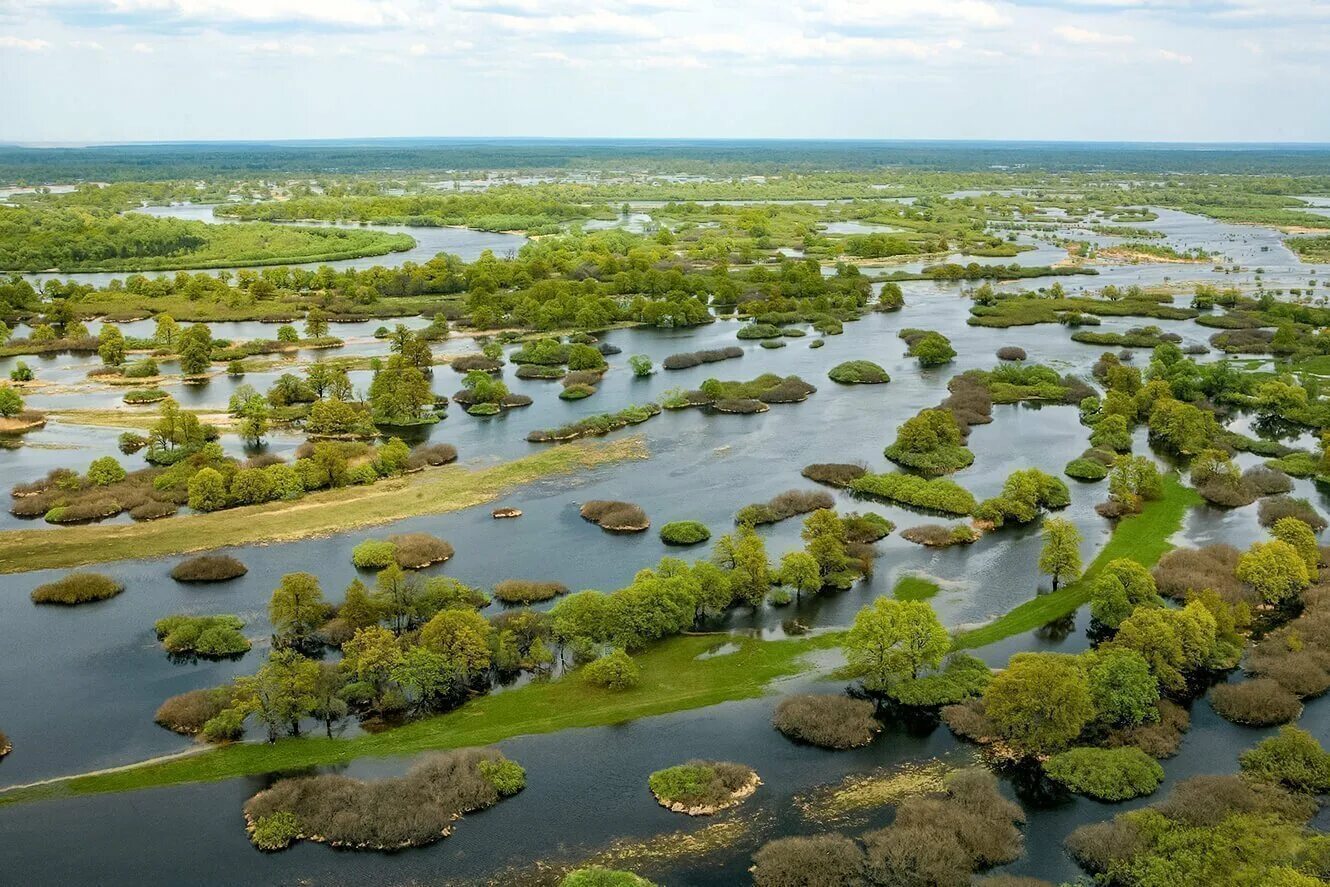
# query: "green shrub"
275, 832
507, 777
700, 783
917, 492
759, 331
524, 591
963, 677
576, 392
211, 637
858, 372
596, 876
1108, 774
374, 554
1085, 469
77, 588
684, 532
1292, 759
145, 395
613, 671
106, 471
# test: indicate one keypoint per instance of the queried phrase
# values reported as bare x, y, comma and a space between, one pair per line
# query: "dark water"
79, 686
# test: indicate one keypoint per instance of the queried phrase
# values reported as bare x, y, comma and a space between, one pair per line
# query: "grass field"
332, 511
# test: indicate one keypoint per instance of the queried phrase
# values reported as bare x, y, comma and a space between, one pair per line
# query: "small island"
703, 788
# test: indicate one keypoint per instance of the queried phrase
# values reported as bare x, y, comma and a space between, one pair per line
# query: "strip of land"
673, 679
1141, 537
432, 491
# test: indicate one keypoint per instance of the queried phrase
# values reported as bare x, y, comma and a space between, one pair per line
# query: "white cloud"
600, 22
141, 48
1169, 55
874, 14
32, 44
1085, 37
87, 45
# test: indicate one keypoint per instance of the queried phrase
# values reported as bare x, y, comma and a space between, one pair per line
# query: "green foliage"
105, 471
212, 637
1293, 759
507, 777
892, 640
1023, 494
1086, 469
1121, 587
276, 831
930, 442
614, 671
1275, 569
374, 554
77, 588
684, 533
1107, 774
1040, 702
917, 492
962, 677
858, 372
1061, 554
596, 876
641, 365
11, 404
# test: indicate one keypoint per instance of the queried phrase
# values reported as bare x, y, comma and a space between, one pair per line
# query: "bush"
614, 671
691, 359
77, 588
1272, 510
210, 637
759, 331
836, 474
417, 550
539, 371
1192, 569
140, 396
617, 517
507, 777
784, 505
105, 471
1158, 739
465, 363
858, 372
940, 535
963, 677
1085, 469
1260, 702
866, 528
1011, 352
684, 532
908, 489
596, 876
188, 712
432, 455
374, 554
810, 861
827, 721
412, 810
525, 591
1117, 774
275, 832
1292, 759
712, 785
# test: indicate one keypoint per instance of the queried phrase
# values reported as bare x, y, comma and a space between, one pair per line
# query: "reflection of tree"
1033, 788
1276, 427
1057, 630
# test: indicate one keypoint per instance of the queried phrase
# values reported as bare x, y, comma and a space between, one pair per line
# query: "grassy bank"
332, 511
1142, 537
673, 679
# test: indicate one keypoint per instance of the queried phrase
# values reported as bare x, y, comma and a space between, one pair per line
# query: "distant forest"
140, 162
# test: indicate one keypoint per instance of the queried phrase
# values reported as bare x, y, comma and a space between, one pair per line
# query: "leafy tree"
641, 365
207, 490
196, 350
105, 471
824, 536
297, 608
371, 654
1124, 691
399, 393
357, 610
892, 640
1119, 589
1297, 534
397, 596
111, 345
1275, 569
316, 323
425, 677
800, 571
167, 332
1293, 759
1040, 702
280, 693
11, 404
1061, 556
253, 412
751, 576
328, 705
462, 637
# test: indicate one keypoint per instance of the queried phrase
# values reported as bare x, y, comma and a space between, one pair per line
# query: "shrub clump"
684, 532
616, 517
810, 861
374, 554
1261, 702
836, 474
414, 551
827, 721
691, 359
77, 588
187, 713
908, 489
408, 811
858, 372
1184, 570
615, 670
208, 637
526, 591
1272, 510
784, 505
208, 568
1011, 352
1085, 469
700, 788
1108, 774
431, 455
598, 876
940, 535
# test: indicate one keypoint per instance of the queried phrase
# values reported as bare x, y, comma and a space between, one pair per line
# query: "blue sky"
1167, 70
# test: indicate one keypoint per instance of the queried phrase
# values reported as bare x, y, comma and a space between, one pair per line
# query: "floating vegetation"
863, 792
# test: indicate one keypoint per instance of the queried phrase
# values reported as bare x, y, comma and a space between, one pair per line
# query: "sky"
1133, 70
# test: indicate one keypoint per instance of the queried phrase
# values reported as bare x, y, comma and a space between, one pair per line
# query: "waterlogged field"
81, 684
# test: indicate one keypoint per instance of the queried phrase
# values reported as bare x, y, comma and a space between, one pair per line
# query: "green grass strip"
1142, 537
